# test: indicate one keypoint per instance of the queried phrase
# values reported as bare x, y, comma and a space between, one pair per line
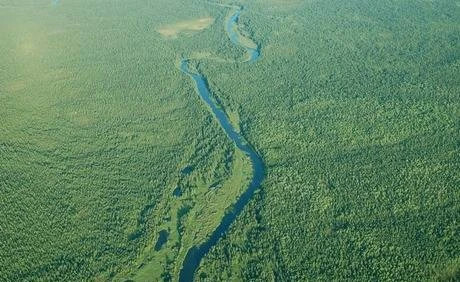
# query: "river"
196, 253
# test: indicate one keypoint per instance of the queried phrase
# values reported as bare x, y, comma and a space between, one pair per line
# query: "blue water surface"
195, 254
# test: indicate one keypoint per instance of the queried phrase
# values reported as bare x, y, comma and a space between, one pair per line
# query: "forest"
112, 168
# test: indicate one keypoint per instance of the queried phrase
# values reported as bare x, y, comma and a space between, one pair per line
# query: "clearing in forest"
187, 27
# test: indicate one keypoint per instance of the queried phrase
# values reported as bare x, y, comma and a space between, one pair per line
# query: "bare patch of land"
187, 27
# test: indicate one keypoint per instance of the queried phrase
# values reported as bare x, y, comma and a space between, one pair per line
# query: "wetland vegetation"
112, 168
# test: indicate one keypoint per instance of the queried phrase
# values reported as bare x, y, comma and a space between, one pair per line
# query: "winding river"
196, 253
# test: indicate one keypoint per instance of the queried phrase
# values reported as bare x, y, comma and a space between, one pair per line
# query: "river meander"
196, 253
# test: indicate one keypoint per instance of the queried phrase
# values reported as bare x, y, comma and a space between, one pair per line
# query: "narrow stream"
196, 253
231, 28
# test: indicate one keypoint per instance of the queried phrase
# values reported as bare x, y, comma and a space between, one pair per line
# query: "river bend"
196, 253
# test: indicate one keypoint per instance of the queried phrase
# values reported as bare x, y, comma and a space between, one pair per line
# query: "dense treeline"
96, 125
354, 107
